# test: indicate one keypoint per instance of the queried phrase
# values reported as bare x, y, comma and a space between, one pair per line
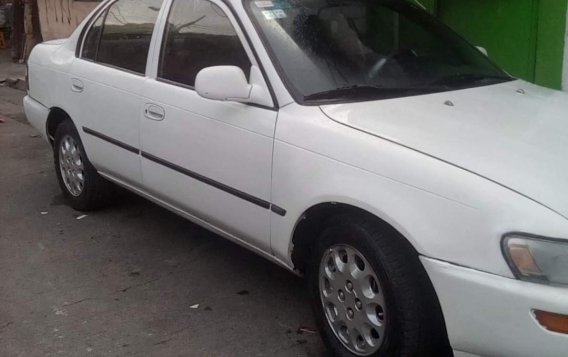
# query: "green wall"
550, 42
430, 4
526, 37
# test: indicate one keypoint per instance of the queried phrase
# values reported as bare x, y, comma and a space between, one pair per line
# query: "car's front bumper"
490, 315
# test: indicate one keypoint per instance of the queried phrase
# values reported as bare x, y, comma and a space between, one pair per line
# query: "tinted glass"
367, 49
198, 35
91, 43
127, 32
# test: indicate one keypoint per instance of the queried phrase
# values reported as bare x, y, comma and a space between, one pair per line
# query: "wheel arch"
56, 116
313, 220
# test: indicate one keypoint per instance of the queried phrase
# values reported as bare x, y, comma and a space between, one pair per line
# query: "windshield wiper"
365, 92
461, 79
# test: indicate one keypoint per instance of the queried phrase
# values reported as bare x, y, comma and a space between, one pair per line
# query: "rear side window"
125, 35
198, 35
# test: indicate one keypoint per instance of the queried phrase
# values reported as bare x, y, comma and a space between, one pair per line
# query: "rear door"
106, 83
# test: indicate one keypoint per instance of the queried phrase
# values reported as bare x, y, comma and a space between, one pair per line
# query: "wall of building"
59, 18
550, 43
526, 37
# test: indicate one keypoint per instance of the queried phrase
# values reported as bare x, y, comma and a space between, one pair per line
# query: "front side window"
342, 50
198, 35
123, 41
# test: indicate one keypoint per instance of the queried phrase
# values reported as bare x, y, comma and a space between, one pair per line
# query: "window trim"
107, 65
174, 83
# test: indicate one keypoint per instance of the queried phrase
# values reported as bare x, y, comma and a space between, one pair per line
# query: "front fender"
445, 212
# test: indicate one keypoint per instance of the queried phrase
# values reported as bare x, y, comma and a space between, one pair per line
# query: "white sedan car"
421, 190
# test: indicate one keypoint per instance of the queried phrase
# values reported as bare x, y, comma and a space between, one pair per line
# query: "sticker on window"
268, 14
279, 14
263, 4
274, 14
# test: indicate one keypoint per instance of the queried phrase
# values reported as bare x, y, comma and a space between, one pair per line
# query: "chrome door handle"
154, 112
77, 86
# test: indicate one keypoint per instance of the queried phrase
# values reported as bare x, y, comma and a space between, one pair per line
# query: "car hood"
514, 133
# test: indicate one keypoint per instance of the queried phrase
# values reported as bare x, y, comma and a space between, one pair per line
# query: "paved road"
122, 282
11, 104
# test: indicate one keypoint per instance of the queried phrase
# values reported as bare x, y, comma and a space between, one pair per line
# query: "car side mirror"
225, 83
483, 50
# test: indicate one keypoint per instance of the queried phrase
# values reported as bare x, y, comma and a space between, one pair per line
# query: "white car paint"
514, 133
451, 179
422, 197
489, 323
121, 94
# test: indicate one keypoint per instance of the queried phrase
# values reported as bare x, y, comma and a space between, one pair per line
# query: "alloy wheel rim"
353, 300
71, 166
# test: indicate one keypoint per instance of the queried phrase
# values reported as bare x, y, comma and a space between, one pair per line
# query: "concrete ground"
10, 69
133, 280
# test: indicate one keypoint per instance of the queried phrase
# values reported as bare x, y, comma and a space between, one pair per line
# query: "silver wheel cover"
353, 300
71, 165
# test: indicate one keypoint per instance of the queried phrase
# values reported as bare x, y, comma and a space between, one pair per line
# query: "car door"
211, 159
106, 83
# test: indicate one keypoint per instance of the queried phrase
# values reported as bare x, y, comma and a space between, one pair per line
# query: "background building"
58, 18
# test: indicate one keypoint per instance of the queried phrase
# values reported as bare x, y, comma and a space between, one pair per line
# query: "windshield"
335, 50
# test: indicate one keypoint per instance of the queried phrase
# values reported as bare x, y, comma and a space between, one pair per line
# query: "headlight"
536, 259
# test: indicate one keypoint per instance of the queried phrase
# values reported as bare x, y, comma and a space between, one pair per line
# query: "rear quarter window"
91, 44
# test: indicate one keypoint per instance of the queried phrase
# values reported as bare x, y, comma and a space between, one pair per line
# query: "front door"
209, 158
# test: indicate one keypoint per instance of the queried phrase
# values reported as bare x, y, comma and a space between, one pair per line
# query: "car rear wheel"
83, 187
371, 294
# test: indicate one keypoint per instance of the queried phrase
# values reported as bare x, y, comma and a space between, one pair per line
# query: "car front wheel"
371, 294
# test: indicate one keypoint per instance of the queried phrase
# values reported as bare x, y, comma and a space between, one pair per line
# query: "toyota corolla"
420, 189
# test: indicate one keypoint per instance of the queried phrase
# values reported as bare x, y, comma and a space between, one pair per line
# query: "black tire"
414, 322
96, 192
